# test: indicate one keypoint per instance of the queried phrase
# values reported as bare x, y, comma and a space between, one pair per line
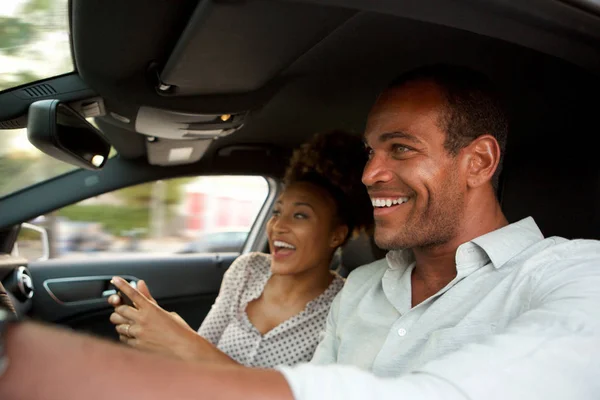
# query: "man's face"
415, 183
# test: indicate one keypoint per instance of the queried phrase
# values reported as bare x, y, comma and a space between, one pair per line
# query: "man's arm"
48, 363
550, 352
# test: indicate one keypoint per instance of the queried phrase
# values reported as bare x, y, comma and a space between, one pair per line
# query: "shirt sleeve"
326, 352
223, 309
550, 352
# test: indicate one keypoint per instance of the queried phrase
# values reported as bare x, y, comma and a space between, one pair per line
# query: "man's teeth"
388, 202
279, 243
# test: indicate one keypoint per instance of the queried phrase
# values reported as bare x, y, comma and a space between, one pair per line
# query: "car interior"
239, 84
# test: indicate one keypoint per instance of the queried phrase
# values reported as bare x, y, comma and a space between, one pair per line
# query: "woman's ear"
339, 235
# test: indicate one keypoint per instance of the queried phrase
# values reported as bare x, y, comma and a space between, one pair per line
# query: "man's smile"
384, 205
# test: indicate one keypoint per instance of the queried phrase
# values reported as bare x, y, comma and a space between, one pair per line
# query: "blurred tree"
20, 32
37, 6
15, 34
141, 195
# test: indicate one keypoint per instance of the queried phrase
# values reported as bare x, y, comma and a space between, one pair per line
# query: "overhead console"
187, 135
204, 70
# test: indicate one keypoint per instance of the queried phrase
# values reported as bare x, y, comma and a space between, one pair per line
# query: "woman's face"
303, 232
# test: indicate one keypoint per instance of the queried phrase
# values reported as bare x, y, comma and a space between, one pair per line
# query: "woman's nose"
281, 225
376, 171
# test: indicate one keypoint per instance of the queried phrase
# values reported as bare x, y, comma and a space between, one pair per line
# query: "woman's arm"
49, 363
151, 328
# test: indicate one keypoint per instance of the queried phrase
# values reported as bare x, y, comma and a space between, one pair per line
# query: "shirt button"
401, 332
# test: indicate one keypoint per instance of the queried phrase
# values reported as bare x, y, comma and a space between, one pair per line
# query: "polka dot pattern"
227, 325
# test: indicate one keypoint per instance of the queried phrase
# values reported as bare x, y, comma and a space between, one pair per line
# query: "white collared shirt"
520, 320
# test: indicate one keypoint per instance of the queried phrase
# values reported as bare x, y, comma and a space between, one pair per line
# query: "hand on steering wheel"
5, 301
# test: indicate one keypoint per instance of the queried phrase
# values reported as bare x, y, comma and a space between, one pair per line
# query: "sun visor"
176, 125
239, 46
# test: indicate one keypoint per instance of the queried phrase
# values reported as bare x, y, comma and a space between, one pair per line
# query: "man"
473, 308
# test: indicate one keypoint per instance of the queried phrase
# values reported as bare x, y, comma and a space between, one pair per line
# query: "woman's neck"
295, 288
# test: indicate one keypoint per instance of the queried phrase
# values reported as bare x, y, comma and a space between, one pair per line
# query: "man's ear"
338, 237
482, 157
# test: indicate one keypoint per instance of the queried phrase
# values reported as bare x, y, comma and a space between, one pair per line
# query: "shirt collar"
505, 243
498, 247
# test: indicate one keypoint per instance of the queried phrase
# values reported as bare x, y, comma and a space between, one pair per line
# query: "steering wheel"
5, 301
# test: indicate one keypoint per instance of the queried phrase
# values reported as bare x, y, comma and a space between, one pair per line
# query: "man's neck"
436, 265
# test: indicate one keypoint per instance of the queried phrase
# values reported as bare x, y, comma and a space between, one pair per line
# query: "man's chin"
389, 238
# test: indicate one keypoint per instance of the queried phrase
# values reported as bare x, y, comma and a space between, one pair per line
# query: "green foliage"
141, 195
18, 171
18, 33
36, 6
14, 34
114, 219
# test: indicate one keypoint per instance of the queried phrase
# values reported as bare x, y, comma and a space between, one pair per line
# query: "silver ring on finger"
127, 330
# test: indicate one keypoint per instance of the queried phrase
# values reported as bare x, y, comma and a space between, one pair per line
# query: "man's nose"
376, 171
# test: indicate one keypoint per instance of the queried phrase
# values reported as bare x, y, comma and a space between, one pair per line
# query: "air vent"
16, 123
42, 90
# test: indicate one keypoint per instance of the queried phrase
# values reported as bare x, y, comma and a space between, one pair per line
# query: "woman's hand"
151, 328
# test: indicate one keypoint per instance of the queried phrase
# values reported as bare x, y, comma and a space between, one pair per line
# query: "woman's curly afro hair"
335, 161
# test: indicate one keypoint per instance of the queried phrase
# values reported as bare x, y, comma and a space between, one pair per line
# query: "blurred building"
217, 203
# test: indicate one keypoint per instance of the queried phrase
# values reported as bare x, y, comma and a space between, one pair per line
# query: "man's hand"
151, 328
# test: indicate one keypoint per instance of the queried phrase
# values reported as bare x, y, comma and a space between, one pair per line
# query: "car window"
22, 165
178, 216
34, 41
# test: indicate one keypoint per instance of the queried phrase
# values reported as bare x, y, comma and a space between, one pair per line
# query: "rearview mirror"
59, 131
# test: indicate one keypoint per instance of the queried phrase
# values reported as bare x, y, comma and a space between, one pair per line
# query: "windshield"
34, 41
22, 165
34, 45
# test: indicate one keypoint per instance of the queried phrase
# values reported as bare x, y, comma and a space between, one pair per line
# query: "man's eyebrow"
384, 137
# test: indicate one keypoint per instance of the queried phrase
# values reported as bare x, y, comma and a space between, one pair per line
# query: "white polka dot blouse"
227, 325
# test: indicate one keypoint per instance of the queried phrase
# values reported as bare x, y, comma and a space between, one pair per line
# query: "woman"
271, 308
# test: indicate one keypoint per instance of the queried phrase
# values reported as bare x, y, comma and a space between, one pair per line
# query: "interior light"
97, 160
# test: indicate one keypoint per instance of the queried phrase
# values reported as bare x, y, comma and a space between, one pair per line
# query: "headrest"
360, 250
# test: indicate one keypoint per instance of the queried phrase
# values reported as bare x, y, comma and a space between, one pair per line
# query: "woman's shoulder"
336, 284
245, 269
255, 262
323, 302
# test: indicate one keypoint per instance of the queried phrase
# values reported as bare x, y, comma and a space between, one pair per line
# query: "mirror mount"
59, 131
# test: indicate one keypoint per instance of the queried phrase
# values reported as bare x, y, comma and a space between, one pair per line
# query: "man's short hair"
474, 106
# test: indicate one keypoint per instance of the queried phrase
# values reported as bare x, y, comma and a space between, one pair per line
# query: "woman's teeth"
388, 202
280, 244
